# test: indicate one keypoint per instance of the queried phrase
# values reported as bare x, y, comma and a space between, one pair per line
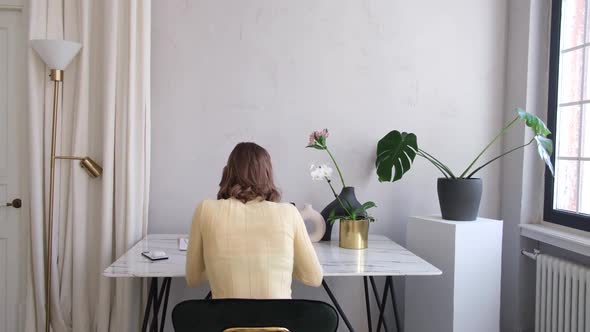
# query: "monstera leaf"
395, 154
544, 144
545, 149
533, 122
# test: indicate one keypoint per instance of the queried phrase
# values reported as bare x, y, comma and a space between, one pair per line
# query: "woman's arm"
195, 263
306, 267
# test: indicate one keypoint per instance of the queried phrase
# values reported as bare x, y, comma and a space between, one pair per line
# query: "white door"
12, 150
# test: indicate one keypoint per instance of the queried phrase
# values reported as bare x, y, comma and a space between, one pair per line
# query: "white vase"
314, 222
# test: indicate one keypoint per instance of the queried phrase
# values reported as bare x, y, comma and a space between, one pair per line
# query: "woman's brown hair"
248, 175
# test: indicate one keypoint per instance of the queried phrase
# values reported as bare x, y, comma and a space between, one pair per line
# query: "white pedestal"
466, 297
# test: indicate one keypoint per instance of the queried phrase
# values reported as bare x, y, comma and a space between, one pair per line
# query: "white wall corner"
537, 103
523, 172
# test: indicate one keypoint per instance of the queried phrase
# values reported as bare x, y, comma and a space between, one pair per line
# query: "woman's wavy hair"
248, 175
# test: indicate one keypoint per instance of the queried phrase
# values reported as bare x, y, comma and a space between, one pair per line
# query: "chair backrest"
225, 314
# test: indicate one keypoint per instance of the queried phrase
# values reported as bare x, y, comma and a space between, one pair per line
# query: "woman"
246, 243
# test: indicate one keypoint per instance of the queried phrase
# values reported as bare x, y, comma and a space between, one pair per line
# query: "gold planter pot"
354, 234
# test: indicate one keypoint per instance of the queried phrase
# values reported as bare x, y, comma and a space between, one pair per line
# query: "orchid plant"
323, 172
317, 140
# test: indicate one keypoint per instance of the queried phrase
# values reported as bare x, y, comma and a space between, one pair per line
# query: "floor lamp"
57, 54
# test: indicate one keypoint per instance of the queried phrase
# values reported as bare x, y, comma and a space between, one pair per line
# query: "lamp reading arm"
93, 169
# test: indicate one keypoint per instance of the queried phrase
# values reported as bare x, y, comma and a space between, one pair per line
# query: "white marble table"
383, 258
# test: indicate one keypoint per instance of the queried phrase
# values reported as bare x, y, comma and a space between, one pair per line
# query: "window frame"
561, 217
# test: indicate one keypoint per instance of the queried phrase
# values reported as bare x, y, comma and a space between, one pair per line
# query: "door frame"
18, 117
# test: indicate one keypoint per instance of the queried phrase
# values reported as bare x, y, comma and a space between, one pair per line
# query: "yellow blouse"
250, 250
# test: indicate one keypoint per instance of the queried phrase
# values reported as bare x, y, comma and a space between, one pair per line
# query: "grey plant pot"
459, 198
347, 194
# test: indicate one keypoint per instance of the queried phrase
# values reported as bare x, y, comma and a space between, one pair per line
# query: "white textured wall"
272, 71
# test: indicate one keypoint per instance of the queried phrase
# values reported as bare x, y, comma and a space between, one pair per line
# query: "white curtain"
105, 114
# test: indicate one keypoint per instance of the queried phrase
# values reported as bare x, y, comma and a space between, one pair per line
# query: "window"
567, 195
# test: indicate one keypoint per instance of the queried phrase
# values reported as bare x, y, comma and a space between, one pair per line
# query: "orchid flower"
317, 140
321, 172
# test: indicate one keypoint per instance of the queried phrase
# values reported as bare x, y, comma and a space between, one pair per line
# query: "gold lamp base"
354, 234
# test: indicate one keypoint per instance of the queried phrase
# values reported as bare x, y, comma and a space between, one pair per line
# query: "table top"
383, 258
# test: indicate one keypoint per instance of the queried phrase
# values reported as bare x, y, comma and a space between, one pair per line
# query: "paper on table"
182, 243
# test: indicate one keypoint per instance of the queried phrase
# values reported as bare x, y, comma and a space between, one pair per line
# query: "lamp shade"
57, 54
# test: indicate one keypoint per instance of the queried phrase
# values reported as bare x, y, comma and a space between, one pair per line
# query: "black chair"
240, 315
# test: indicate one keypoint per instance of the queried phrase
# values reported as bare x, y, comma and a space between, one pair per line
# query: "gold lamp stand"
57, 54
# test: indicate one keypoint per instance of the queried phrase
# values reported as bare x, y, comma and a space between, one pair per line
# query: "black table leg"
395, 312
368, 304
383, 303
379, 306
388, 288
337, 305
156, 300
154, 325
151, 296
208, 297
166, 285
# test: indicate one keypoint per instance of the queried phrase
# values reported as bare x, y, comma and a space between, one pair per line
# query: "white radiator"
563, 296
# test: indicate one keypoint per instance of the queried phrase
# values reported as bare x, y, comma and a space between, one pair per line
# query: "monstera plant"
459, 193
